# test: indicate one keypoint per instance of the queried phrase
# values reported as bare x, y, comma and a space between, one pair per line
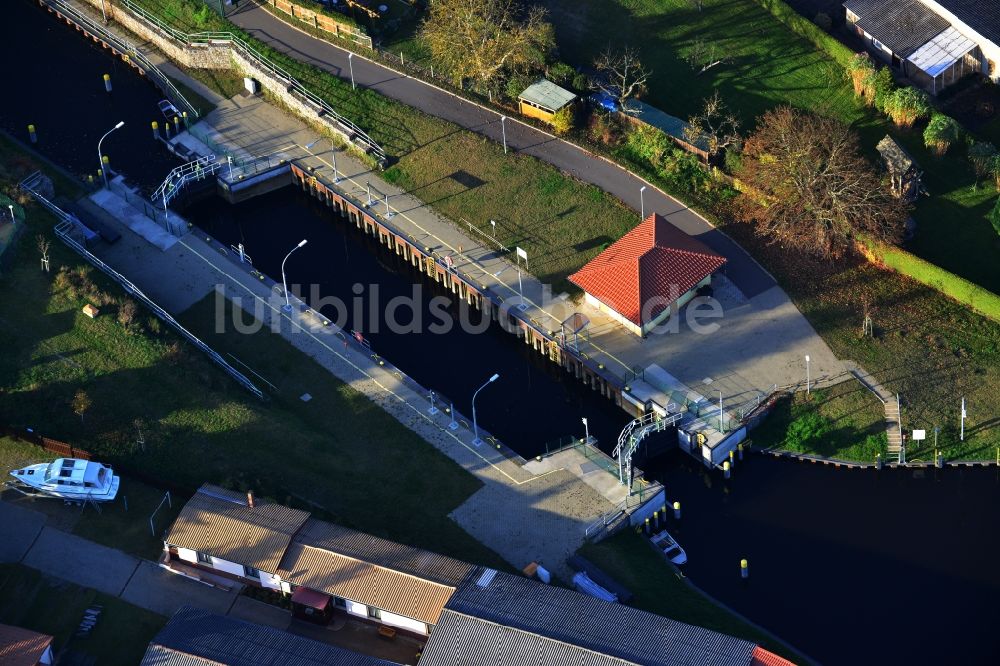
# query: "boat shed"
543, 99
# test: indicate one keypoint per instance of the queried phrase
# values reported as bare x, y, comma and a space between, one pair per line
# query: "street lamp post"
586, 430
722, 429
475, 424
100, 159
13, 219
503, 130
642, 202
350, 63
807, 374
284, 282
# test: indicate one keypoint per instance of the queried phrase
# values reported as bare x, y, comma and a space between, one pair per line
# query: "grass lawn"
51, 606
202, 105
226, 82
659, 589
844, 421
926, 347
340, 451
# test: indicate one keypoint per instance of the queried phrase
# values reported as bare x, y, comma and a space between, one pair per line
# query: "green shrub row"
968, 293
808, 30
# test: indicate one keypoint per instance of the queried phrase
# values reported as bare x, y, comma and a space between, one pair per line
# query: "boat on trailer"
669, 547
70, 479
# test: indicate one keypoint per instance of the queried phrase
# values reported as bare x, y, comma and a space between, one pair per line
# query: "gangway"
633, 434
197, 169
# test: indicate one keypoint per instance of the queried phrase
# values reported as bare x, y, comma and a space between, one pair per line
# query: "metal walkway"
632, 436
197, 169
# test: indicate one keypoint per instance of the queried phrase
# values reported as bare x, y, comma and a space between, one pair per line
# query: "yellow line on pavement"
419, 412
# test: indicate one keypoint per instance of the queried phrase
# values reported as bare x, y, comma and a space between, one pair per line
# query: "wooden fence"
61, 449
323, 22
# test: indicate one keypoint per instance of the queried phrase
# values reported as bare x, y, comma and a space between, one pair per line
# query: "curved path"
741, 269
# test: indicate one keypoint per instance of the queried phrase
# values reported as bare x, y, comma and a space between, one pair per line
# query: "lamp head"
494, 378
121, 123
807, 358
304, 241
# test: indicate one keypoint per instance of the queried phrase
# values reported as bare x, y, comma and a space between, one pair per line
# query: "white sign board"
521, 254
919, 435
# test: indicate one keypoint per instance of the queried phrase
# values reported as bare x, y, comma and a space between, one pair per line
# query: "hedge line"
981, 300
808, 30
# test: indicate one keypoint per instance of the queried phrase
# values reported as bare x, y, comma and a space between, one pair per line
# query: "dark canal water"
900, 567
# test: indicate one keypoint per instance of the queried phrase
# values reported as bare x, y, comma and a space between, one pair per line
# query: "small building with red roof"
646, 274
22, 647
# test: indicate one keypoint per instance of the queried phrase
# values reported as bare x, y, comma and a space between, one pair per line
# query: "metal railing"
179, 176
245, 50
64, 228
123, 45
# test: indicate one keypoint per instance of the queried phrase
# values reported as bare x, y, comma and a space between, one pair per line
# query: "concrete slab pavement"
156, 589
18, 530
251, 610
81, 561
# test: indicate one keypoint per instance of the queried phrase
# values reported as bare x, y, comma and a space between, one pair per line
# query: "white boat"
669, 547
70, 479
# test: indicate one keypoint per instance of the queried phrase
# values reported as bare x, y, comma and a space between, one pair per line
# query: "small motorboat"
71, 479
168, 110
669, 547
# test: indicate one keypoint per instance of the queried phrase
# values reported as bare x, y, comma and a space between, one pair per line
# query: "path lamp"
642, 202
100, 160
350, 64
13, 219
586, 430
721, 427
807, 374
475, 424
288, 306
503, 129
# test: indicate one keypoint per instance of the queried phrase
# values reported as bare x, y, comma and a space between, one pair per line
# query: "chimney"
250, 498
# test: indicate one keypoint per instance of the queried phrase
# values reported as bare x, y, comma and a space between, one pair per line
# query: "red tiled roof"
656, 259
21, 647
762, 657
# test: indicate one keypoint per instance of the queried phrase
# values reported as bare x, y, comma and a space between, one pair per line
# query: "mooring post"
177, 124
107, 82
156, 130
31, 134
744, 569
677, 510
726, 472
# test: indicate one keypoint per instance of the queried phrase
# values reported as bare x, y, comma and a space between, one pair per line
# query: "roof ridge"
373, 564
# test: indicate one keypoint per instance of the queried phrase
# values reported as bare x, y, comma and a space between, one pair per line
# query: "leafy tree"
807, 186
648, 144
982, 154
941, 132
479, 39
562, 120
908, 105
623, 75
560, 74
879, 88
994, 216
81, 403
715, 125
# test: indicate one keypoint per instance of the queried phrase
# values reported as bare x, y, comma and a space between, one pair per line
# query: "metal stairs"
197, 169
633, 434
894, 428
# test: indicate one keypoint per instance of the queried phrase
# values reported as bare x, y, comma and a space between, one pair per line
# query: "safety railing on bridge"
64, 230
197, 169
247, 51
128, 49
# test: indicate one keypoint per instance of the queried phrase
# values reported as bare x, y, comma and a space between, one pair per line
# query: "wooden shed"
543, 99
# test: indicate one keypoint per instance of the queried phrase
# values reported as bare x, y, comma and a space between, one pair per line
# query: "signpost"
521, 254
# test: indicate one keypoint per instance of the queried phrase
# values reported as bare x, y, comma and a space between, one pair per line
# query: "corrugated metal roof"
666, 123
195, 637
655, 260
463, 640
983, 16
388, 554
937, 55
219, 522
606, 628
364, 582
901, 25
21, 647
762, 657
547, 95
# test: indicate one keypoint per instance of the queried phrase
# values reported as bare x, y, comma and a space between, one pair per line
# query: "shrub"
908, 105
602, 128
860, 69
733, 160
562, 120
517, 83
994, 217
561, 74
883, 88
982, 154
647, 144
941, 132
823, 21
581, 83
126, 314
804, 432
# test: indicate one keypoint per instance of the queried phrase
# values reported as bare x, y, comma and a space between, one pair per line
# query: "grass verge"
31, 600
658, 588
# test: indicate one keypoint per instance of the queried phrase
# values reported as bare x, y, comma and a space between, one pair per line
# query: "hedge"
808, 30
981, 300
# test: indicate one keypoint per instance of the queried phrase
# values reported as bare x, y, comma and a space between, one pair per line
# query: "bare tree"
716, 126
80, 403
703, 56
479, 39
623, 75
43, 247
807, 186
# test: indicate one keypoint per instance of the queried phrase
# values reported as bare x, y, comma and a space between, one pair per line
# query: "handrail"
246, 50
151, 70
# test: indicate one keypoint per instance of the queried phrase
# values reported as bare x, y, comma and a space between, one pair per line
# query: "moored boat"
669, 547
71, 479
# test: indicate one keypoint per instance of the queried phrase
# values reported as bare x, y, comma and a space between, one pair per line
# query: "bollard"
732, 459
90, 179
647, 526
184, 116
156, 130
107, 82
878, 462
100, 173
105, 160
31, 134
725, 470
739, 448
677, 510
656, 520
177, 124
744, 569
166, 129
939, 460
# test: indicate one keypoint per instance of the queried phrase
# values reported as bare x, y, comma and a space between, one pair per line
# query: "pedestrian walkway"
890, 402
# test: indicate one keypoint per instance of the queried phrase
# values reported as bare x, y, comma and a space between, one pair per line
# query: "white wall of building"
227, 566
354, 608
404, 623
187, 555
270, 581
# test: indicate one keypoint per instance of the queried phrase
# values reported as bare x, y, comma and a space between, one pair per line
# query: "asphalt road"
741, 268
